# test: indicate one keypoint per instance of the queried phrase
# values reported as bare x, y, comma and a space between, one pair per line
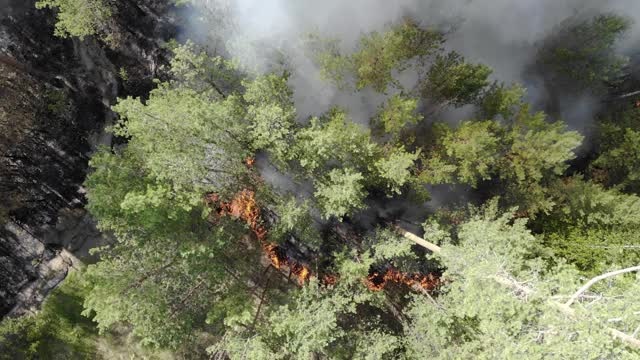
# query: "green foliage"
197, 70
526, 154
539, 147
334, 140
58, 102
622, 161
271, 114
380, 54
158, 277
125, 200
395, 168
386, 246
320, 321
161, 285
538, 154
592, 227
57, 331
451, 80
333, 137
502, 100
582, 54
483, 312
397, 113
334, 67
470, 153
294, 217
123, 74
179, 271
79, 18
184, 138
340, 193
596, 250
587, 204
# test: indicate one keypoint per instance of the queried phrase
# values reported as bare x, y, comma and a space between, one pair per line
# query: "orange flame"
243, 206
377, 281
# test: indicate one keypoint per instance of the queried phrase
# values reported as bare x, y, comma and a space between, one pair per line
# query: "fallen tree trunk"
420, 241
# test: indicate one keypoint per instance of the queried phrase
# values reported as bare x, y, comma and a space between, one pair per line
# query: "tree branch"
586, 286
420, 241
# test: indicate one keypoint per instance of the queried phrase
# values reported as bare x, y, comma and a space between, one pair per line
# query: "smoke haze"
500, 33
503, 34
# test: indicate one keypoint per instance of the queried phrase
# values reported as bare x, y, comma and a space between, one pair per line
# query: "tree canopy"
244, 228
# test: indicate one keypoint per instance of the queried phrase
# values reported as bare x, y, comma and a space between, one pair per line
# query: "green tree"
469, 154
334, 67
380, 54
271, 114
199, 71
500, 301
294, 217
321, 321
79, 18
451, 80
184, 137
340, 193
185, 134
582, 53
334, 140
57, 331
160, 286
170, 265
333, 137
592, 227
395, 168
618, 146
397, 113
525, 154
502, 100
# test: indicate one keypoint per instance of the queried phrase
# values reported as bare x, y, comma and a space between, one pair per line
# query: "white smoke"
503, 34
500, 33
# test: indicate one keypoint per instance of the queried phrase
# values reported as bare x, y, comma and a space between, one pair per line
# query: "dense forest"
381, 195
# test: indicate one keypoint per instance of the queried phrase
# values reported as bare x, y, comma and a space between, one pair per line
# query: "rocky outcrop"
55, 102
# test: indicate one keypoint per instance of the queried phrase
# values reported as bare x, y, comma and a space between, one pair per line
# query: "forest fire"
244, 207
377, 281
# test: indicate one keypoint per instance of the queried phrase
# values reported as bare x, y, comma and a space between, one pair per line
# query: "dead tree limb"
262, 297
590, 283
420, 241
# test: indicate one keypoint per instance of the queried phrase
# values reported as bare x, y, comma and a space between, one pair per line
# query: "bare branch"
630, 340
420, 241
598, 278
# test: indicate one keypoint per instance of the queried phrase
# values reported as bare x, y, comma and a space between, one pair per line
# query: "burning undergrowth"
243, 207
378, 279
